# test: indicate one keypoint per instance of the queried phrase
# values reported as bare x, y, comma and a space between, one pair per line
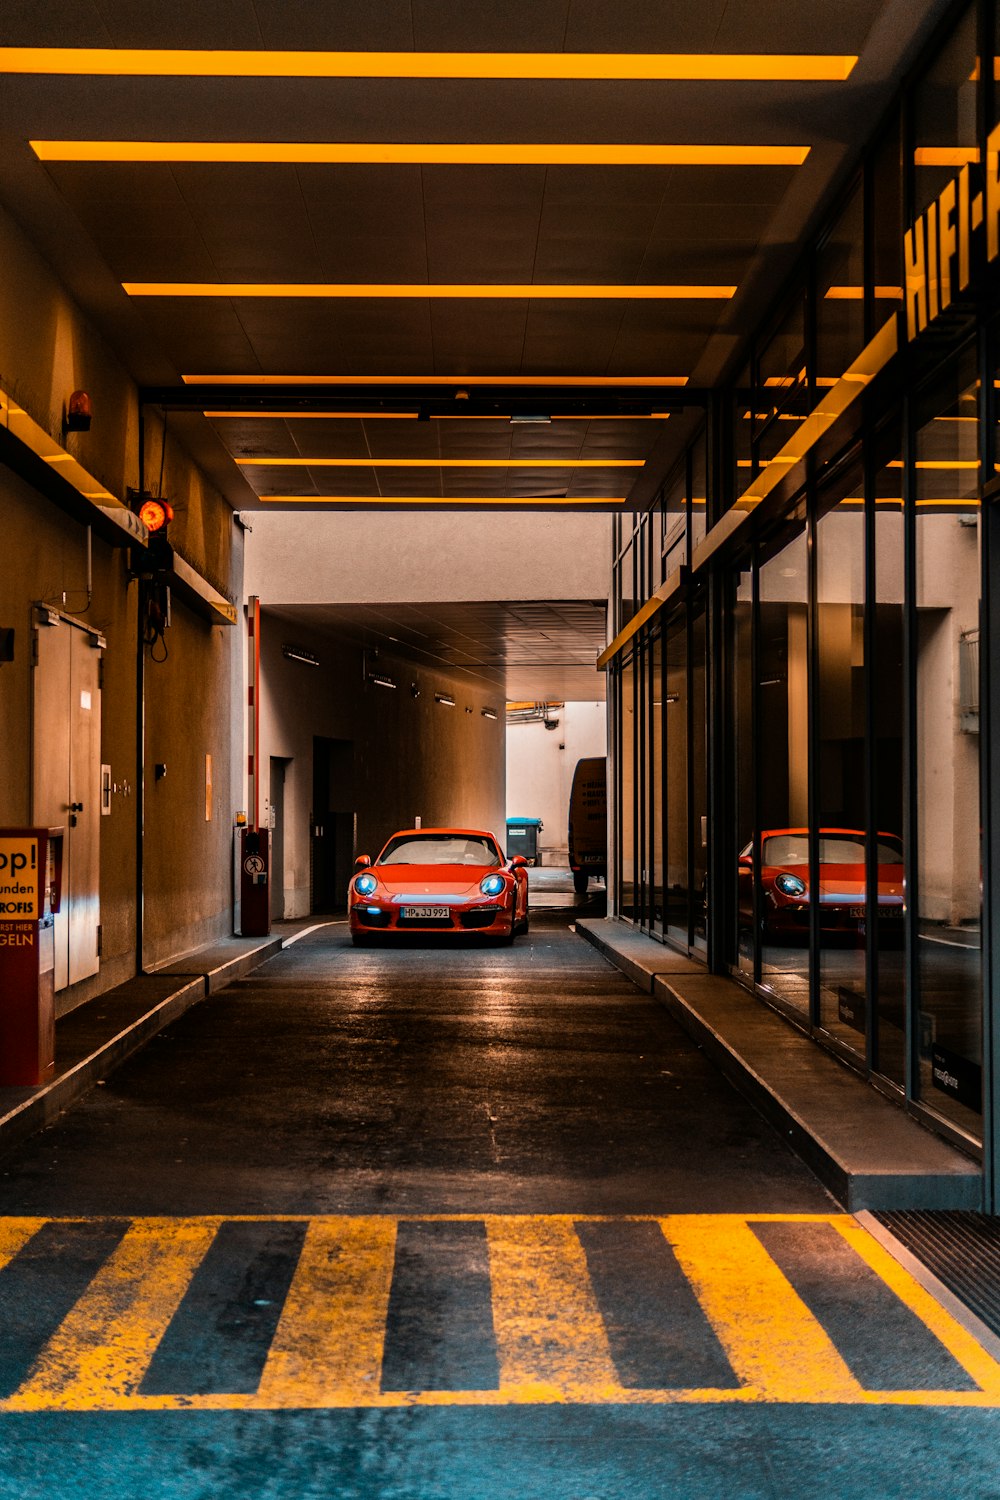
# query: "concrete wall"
412, 757
540, 766
298, 558
47, 350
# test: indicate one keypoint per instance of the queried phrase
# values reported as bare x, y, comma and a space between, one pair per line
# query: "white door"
66, 781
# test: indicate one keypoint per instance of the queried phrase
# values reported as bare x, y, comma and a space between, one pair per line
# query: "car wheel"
580, 879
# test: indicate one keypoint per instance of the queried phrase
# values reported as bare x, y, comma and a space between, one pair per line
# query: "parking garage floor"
456, 1221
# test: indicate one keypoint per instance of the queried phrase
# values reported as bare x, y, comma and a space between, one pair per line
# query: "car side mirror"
518, 862
746, 863
362, 862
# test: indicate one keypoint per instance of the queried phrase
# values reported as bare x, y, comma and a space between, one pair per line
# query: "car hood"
432, 882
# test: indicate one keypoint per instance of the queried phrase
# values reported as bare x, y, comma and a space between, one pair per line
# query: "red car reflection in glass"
785, 895
434, 880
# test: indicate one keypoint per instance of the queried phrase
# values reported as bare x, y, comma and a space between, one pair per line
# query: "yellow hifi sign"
937, 250
21, 880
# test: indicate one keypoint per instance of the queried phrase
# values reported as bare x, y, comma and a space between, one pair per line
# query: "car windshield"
839, 849
441, 849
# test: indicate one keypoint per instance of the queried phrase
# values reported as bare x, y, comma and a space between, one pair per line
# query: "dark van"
588, 822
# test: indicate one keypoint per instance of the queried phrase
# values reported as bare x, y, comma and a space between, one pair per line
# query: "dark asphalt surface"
440, 1081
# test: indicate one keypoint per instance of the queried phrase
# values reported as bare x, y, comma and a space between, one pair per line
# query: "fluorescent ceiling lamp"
428, 290
444, 698
518, 419
409, 416
439, 153
379, 679
856, 293
155, 62
489, 713
945, 156
597, 381
443, 463
299, 653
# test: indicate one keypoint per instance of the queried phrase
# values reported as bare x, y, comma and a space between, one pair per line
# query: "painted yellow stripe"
551, 291
14, 1235
406, 153
156, 62
772, 1340
957, 1340
102, 1349
327, 1349
550, 1336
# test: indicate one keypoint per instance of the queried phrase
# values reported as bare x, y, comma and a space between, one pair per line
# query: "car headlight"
366, 885
491, 885
790, 885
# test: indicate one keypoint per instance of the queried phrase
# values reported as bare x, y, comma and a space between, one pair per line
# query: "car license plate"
415, 913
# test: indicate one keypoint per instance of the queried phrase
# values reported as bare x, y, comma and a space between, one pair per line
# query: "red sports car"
429, 880
785, 895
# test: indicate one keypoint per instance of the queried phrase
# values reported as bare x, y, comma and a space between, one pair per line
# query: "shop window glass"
676, 709
699, 488
782, 742
888, 718
742, 687
744, 407
949, 885
840, 289
655, 774
840, 766
944, 114
886, 196
626, 811
675, 512
782, 395
699, 782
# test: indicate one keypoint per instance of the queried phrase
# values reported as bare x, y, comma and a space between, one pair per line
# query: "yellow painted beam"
528, 382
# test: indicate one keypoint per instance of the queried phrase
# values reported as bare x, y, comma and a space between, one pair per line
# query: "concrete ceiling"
531, 651
105, 223
403, 359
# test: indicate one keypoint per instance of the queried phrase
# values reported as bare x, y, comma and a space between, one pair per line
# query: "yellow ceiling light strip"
412, 416
668, 66
856, 293
422, 290
945, 156
443, 463
424, 500
600, 381
310, 153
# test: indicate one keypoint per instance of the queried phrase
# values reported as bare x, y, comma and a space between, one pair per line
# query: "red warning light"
155, 514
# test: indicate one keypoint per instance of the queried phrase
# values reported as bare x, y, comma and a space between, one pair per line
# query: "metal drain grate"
962, 1250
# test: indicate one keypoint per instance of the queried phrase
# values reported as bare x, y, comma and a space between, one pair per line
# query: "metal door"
66, 780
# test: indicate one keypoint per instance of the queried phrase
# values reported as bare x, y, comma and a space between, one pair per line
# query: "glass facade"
807, 711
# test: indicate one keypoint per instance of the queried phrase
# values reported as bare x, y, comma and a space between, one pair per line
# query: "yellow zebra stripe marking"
102, 1349
957, 1340
327, 1349
549, 1331
773, 1342
14, 1235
